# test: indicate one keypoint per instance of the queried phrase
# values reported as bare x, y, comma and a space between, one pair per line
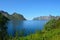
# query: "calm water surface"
26, 26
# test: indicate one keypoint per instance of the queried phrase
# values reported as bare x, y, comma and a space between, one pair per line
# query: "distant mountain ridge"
46, 17
14, 16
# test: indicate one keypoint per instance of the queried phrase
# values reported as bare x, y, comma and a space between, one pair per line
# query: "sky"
31, 8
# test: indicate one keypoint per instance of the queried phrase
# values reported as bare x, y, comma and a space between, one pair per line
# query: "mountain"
5, 14
14, 16
46, 17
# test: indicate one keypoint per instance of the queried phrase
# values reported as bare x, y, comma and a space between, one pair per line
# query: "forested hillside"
3, 27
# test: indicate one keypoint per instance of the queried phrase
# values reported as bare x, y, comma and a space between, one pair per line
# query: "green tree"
3, 27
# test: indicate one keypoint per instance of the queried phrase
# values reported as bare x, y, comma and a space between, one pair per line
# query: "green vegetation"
3, 28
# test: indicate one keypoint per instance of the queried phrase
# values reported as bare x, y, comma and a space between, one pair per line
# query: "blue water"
26, 26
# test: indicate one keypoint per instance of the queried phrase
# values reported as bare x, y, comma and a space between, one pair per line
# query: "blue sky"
31, 8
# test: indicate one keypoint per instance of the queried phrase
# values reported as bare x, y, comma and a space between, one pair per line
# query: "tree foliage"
3, 27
